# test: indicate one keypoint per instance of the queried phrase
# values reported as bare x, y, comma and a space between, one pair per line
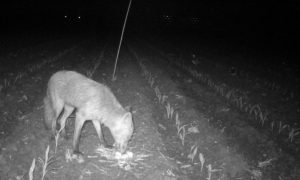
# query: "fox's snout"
121, 147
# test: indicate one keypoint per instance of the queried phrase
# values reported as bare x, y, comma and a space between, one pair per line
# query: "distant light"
65, 17
79, 17
195, 20
168, 18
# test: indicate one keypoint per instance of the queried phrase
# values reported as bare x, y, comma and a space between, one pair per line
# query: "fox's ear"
128, 108
127, 115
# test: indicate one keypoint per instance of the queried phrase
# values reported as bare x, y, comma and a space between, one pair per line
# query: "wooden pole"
123, 29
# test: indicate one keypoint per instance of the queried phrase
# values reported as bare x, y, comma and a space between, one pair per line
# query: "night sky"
266, 21
258, 13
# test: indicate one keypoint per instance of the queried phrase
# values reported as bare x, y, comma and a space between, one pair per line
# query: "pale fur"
69, 90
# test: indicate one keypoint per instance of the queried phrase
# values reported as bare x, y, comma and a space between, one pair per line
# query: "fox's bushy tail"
48, 113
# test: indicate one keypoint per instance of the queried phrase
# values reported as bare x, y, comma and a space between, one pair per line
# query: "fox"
69, 91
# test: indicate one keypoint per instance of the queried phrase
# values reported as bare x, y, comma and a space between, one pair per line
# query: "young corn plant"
193, 152
68, 155
265, 163
170, 110
272, 125
149, 77
176, 118
210, 171
6, 83
241, 103
193, 129
151, 82
19, 76
247, 107
255, 174
202, 160
89, 73
47, 163
263, 117
163, 99
32, 167
293, 133
159, 97
158, 93
281, 127
256, 110
57, 137
221, 90
182, 133
97, 63
229, 94
210, 83
177, 123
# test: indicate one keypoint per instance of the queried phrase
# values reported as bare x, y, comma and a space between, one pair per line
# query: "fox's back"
76, 90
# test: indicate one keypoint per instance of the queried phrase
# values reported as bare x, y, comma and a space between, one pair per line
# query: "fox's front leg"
97, 126
79, 121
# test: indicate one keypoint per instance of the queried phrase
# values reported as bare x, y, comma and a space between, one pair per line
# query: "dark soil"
230, 143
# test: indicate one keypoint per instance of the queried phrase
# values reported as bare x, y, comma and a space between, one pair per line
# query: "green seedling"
210, 171
263, 117
193, 152
46, 163
32, 167
202, 160
293, 133
281, 127
170, 110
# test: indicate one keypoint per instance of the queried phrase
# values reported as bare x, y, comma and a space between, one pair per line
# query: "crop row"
182, 129
14, 78
239, 99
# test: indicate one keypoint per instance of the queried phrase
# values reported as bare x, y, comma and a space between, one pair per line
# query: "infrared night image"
151, 90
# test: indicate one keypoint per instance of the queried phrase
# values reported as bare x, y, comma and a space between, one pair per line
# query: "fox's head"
123, 131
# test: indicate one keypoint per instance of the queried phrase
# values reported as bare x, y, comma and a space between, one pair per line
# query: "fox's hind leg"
48, 113
58, 107
79, 121
67, 112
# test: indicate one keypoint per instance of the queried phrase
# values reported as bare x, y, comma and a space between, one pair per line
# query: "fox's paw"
78, 156
77, 152
108, 146
105, 145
